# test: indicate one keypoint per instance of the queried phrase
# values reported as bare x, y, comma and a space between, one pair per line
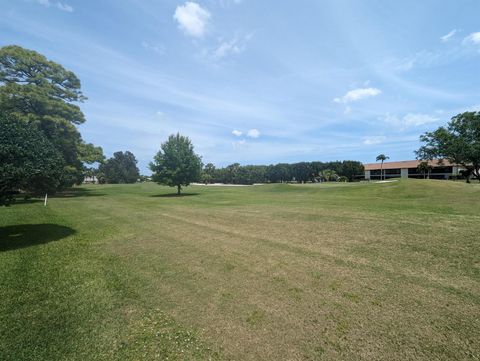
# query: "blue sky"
259, 82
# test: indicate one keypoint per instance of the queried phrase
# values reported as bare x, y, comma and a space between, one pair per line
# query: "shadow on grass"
22, 200
174, 195
27, 235
77, 192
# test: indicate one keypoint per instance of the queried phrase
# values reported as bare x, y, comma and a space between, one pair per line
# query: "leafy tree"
121, 168
302, 172
231, 173
28, 161
208, 173
176, 163
250, 174
382, 158
458, 142
350, 169
279, 173
425, 168
328, 175
43, 94
89, 153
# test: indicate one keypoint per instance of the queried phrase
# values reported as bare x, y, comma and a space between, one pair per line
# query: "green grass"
277, 272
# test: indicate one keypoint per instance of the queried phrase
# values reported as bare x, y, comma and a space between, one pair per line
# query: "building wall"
436, 173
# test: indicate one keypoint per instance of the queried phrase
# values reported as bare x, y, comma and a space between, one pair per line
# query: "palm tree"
328, 175
382, 158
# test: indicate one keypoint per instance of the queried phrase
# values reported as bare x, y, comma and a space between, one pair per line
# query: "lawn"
277, 272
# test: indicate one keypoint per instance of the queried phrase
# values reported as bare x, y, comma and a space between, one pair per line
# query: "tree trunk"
179, 187
381, 171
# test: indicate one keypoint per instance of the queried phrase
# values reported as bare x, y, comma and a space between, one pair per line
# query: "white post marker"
46, 197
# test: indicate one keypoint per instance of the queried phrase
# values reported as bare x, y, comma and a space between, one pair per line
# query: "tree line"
347, 170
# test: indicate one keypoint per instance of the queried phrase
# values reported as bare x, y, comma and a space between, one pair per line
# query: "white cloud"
157, 48
228, 47
239, 143
253, 133
237, 133
473, 38
58, 4
358, 94
418, 119
374, 139
192, 19
448, 36
236, 45
409, 120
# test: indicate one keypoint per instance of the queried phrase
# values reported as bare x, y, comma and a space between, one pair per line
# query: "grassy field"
277, 272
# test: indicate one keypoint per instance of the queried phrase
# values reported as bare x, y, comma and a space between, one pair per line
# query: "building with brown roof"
409, 169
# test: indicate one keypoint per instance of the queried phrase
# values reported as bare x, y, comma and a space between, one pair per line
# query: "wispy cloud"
157, 48
358, 94
226, 3
448, 36
410, 120
253, 133
236, 45
374, 139
237, 133
239, 143
192, 19
57, 4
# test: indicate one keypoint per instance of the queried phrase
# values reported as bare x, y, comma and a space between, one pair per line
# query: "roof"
405, 164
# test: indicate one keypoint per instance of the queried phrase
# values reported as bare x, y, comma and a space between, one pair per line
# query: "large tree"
176, 163
458, 142
44, 94
28, 161
121, 168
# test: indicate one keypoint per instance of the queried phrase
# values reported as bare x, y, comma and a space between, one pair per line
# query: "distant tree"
121, 168
350, 169
281, 172
250, 174
302, 172
342, 179
382, 158
43, 94
209, 169
328, 175
144, 178
208, 173
176, 164
425, 169
28, 161
458, 142
231, 173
